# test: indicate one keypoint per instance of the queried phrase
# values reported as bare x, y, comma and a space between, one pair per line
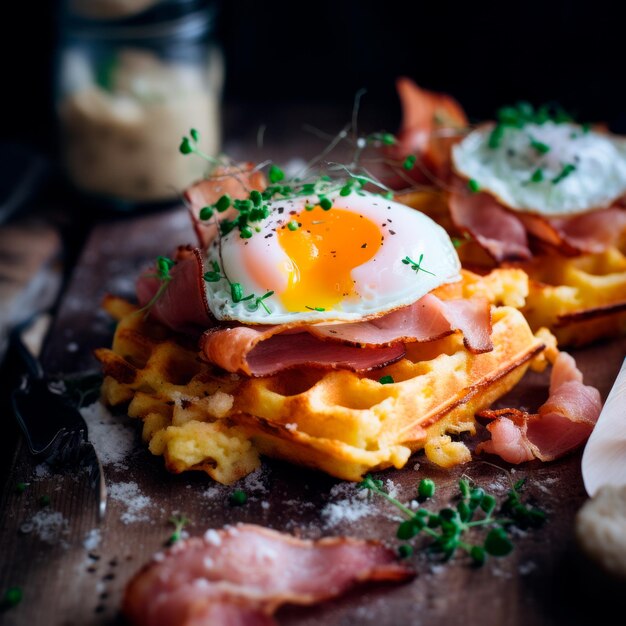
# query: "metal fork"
54, 429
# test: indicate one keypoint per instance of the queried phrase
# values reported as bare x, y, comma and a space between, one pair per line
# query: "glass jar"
128, 90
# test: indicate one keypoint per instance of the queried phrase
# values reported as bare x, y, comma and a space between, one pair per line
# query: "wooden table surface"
73, 570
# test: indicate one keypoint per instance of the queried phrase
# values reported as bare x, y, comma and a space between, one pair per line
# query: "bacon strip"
563, 422
236, 181
423, 114
241, 575
497, 230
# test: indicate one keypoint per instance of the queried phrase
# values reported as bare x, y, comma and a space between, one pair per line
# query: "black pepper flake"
364, 245
389, 220
268, 235
392, 232
280, 210
292, 212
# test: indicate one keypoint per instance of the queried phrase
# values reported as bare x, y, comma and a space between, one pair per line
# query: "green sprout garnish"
387, 139
448, 528
21, 487
473, 185
523, 113
315, 308
11, 597
416, 267
293, 225
386, 380
568, 168
163, 267
409, 162
189, 145
539, 146
238, 497
179, 522
275, 174
537, 176
44, 501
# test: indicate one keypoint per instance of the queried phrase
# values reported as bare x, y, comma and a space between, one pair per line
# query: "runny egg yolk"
322, 253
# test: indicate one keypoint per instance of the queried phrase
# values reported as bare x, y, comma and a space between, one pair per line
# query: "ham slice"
503, 232
563, 422
266, 350
360, 346
425, 320
237, 181
182, 303
496, 229
241, 575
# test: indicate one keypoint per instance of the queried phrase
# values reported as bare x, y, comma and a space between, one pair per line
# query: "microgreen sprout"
315, 308
522, 113
386, 380
409, 162
448, 528
416, 267
536, 176
473, 185
44, 501
11, 597
539, 146
568, 168
163, 266
189, 145
238, 497
21, 487
179, 522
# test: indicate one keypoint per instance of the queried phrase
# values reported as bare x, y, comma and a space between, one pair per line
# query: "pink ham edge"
265, 352
241, 575
425, 320
182, 306
503, 232
562, 424
497, 230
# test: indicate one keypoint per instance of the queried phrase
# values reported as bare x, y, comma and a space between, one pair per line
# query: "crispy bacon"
562, 423
236, 181
241, 575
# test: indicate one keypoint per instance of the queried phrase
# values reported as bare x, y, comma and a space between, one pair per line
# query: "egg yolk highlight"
322, 252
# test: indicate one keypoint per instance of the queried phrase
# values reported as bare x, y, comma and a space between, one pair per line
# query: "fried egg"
364, 256
553, 169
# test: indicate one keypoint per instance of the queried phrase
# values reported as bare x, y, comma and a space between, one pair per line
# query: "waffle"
580, 299
346, 424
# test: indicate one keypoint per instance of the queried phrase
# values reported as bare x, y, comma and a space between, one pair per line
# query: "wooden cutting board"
72, 570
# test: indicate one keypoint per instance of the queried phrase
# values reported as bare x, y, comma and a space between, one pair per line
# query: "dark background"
486, 54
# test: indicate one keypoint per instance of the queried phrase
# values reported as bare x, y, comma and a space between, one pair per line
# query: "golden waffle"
340, 422
580, 299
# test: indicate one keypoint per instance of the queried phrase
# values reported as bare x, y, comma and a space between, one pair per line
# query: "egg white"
383, 283
599, 177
